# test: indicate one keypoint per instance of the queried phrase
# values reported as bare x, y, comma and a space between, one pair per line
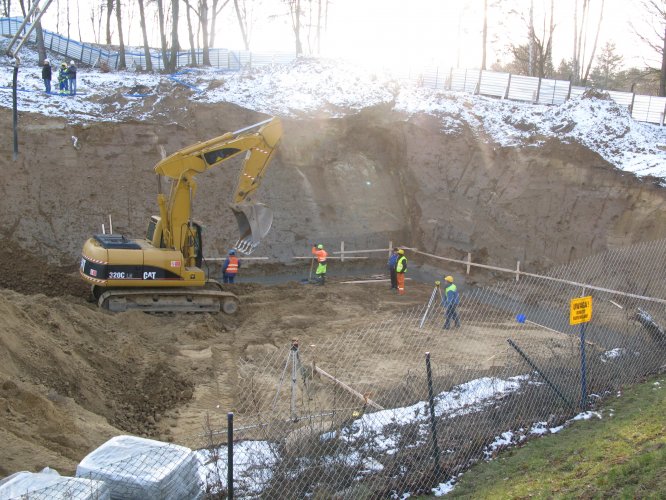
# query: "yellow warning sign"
580, 310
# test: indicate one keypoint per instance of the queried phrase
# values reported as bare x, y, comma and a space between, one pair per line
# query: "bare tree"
654, 36
535, 58
146, 47
485, 34
175, 44
163, 39
6, 7
39, 33
594, 46
217, 9
243, 20
122, 64
190, 33
295, 12
109, 10
95, 21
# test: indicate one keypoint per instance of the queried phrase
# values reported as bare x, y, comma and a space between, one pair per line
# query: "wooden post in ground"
363, 398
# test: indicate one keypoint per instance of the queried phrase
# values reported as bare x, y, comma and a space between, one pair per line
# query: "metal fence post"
230, 455
569, 91
583, 371
431, 401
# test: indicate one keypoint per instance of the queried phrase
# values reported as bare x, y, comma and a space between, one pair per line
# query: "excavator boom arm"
185, 164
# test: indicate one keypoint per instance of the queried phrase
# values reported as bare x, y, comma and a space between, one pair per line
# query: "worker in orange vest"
230, 267
319, 252
400, 270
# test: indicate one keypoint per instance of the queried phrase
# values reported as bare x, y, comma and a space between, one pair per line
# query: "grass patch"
621, 456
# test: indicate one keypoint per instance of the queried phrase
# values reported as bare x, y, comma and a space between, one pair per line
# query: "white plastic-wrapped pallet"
52, 486
138, 468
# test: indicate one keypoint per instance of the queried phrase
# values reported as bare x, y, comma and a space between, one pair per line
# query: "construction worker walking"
321, 255
400, 270
451, 300
392, 261
230, 267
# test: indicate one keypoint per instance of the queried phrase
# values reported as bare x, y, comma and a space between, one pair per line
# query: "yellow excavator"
163, 272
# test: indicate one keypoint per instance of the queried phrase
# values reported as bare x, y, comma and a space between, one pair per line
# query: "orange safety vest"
232, 268
321, 255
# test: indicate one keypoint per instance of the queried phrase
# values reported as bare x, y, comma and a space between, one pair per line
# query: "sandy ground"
71, 375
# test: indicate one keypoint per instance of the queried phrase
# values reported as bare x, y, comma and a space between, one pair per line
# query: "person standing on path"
400, 270
230, 267
392, 261
451, 300
46, 75
71, 77
62, 79
321, 254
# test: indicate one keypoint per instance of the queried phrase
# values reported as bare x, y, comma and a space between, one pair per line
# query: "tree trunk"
146, 47
121, 44
175, 45
530, 69
163, 39
190, 33
594, 46
582, 42
574, 57
295, 11
41, 50
318, 27
242, 23
109, 10
662, 79
203, 19
485, 34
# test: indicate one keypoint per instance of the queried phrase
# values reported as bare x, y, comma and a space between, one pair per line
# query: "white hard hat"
71, 62
46, 61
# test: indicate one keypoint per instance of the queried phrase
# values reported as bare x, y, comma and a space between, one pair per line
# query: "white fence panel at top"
553, 91
649, 109
494, 84
432, 77
577, 91
523, 88
622, 98
465, 80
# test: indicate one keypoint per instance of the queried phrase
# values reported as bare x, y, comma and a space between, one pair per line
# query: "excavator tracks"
167, 300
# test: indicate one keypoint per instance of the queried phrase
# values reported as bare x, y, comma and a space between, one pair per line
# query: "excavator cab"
254, 222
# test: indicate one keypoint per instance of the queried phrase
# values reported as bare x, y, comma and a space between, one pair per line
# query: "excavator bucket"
254, 222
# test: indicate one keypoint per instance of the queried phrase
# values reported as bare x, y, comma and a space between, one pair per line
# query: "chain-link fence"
404, 404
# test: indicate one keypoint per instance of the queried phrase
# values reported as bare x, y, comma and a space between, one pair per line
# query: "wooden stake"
363, 398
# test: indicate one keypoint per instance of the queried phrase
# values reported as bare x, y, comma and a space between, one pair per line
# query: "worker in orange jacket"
321, 255
230, 267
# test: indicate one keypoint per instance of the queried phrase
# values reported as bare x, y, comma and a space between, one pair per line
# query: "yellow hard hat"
449, 279
320, 246
401, 251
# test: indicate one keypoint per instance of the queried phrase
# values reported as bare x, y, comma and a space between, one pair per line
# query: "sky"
381, 32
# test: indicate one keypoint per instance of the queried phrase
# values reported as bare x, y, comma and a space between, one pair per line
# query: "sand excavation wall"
363, 179
540, 205
322, 185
